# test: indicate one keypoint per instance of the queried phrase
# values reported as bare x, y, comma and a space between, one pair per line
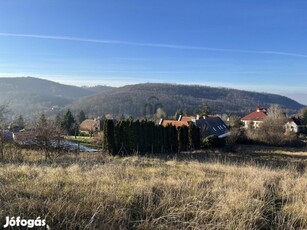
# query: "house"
209, 125
25, 137
212, 125
186, 118
173, 123
91, 126
255, 118
6, 135
36, 137
294, 124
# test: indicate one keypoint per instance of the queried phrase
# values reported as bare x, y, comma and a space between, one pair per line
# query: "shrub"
213, 141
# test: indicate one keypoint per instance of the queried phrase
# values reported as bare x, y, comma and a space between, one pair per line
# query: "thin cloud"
154, 45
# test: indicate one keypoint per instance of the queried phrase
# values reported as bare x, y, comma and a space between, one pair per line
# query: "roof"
296, 120
212, 125
186, 118
258, 115
90, 125
7, 134
174, 123
24, 137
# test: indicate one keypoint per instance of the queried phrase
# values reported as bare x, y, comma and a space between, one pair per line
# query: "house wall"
256, 124
292, 127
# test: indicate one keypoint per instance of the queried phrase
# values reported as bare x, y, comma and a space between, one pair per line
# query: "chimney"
161, 121
258, 108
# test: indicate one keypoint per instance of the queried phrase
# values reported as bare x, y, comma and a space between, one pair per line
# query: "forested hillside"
140, 99
27, 95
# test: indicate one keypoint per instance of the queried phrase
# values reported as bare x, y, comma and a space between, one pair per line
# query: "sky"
251, 45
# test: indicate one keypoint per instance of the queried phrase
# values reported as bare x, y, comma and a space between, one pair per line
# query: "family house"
209, 125
91, 126
25, 137
212, 125
255, 118
294, 124
173, 123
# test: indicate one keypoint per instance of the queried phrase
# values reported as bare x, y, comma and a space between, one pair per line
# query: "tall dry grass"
151, 193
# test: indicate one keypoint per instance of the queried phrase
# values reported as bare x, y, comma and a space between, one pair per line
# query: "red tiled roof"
255, 116
90, 125
174, 123
186, 118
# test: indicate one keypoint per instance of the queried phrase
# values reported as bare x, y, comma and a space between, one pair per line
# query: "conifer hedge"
143, 137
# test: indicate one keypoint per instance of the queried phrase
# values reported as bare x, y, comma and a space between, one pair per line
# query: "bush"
213, 141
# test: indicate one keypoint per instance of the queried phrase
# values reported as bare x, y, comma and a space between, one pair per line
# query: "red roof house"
255, 118
173, 123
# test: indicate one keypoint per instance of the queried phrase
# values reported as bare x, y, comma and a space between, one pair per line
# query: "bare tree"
47, 135
3, 110
272, 129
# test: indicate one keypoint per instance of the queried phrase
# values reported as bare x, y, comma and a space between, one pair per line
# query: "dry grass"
95, 192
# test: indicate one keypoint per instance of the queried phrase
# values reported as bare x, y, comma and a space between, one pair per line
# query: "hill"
30, 96
27, 95
140, 99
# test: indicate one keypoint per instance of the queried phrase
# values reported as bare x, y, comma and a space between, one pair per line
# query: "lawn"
93, 142
250, 189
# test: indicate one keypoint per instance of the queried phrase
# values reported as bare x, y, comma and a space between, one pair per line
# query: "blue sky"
253, 45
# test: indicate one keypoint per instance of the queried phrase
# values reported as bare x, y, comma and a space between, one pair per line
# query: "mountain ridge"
131, 99
29, 95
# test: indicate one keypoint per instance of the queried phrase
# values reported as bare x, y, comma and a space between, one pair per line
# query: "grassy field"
254, 188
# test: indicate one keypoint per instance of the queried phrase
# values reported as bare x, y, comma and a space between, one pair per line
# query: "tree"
160, 113
213, 141
47, 136
58, 120
272, 130
17, 124
194, 136
3, 110
69, 123
205, 109
109, 138
42, 120
235, 121
182, 112
183, 138
304, 120
20, 122
81, 116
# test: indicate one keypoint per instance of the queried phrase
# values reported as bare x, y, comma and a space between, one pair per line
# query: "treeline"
129, 136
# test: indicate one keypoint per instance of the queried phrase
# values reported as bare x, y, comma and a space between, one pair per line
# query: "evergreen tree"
58, 120
81, 117
205, 109
304, 120
183, 139
109, 138
20, 122
194, 137
42, 120
173, 139
182, 112
69, 123
137, 135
